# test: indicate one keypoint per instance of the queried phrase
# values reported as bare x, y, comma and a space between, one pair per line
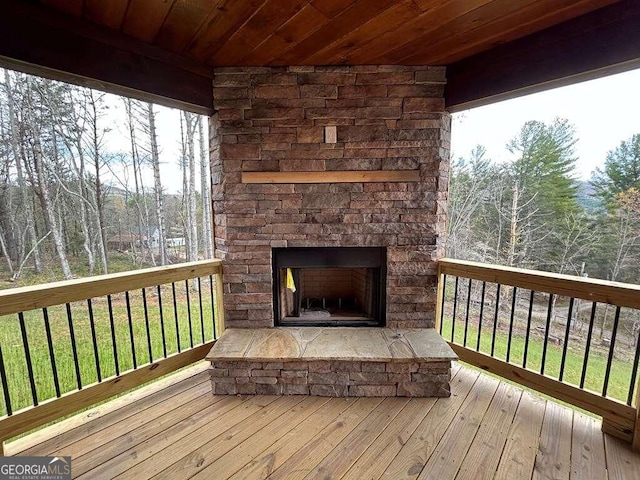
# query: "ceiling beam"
42, 42
599, 43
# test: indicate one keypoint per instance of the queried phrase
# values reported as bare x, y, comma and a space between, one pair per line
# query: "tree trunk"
139, 188
5, 254
513, 225
85, 214
186, 219
205, 193
155, 162
192, 206
101, 237
49, 210
19, 158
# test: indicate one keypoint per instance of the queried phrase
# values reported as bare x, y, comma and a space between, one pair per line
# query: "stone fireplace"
330, 157
329, 194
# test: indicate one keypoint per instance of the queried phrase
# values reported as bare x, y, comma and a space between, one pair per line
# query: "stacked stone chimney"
386, 118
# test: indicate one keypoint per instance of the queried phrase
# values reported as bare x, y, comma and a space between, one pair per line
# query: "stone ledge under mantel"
331, 361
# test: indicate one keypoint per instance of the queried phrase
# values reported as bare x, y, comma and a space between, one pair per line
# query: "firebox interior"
329, 286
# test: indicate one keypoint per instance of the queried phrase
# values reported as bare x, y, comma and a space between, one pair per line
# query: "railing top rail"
595, 290
67, 291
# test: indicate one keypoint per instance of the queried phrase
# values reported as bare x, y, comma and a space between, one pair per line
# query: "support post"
220, 301
439, 297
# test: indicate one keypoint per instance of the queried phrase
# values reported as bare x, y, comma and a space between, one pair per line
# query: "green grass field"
620, 375
14, 355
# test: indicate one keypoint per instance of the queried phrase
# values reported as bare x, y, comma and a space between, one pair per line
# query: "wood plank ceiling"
326, 32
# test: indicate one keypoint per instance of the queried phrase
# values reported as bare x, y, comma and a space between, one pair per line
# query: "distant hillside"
586, 196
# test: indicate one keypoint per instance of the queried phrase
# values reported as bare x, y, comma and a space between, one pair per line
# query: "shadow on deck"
175, 428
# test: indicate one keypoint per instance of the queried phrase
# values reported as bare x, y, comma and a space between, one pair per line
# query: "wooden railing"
65, 346
572, 338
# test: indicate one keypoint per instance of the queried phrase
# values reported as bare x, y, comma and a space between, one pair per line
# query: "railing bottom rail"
32, 417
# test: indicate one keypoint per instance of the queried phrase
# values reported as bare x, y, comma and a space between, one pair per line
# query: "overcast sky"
604, 112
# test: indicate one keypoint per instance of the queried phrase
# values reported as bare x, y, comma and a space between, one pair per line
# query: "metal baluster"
113, 336
466, 318
175, 313
52, 356
164, 340
94, 340
27, 355
546, 334
186, 287
566, 339
5, 385
484, 286
614, 333
455, 307
513, 313
131, 337
444, 288
634, 372
201, 313
495, 320
588, 345
74, 348
146, 323
527, 335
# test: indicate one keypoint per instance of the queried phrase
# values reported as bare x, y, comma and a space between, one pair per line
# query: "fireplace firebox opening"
329, 286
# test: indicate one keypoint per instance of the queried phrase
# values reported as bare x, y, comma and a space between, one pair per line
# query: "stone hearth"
333, 361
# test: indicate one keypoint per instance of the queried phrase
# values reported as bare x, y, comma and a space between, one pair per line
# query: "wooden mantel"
341, 176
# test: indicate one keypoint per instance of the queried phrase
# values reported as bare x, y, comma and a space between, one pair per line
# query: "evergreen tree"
621, 171
542, 191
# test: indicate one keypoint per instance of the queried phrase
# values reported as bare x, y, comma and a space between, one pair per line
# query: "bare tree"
155, 163
189, 169
625, 238
204, 192
18, 161
142, 208
95, 104
43, 184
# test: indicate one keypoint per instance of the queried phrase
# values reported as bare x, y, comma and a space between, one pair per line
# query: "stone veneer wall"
332, 378
273, 119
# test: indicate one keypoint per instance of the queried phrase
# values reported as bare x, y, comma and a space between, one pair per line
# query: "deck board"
587, 449
486, 429
414, 455
553, 459
484, 454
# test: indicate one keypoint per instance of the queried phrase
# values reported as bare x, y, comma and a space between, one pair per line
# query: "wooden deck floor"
488, 429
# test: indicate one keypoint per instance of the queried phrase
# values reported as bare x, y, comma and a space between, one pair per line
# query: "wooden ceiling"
166, 50
325, 32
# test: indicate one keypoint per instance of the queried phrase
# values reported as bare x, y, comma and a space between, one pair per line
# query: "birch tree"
155, 163
189, 165
205, 193
26, 205
35, 146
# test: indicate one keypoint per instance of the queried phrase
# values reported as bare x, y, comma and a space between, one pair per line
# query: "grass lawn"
621, 368
178, 323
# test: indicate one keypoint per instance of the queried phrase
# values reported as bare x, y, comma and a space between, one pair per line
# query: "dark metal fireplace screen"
329, 286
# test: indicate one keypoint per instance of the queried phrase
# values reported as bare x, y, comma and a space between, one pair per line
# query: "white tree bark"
155, 162
192, 207
205, 192
93, 114
49, 211
26, 200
